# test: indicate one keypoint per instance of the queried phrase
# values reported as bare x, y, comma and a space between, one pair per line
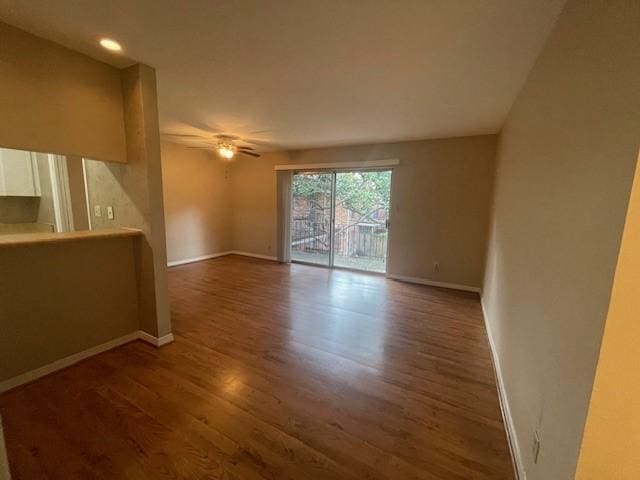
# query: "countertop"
35, 238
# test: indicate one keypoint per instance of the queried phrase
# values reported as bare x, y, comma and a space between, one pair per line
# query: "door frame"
61, 193
333, 172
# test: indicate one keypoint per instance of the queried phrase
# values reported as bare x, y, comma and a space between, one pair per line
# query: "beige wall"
61, 298
253, 198
565, 164
55, 100
77, 193
197, 203
134, 190
611, 443
106, 187
440, 203
142, 180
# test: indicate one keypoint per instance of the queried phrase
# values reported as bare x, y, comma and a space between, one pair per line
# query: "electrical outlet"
436, 267
97, 210
110, 212
536, 446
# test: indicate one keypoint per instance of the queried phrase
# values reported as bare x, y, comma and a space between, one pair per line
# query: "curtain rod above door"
339, 165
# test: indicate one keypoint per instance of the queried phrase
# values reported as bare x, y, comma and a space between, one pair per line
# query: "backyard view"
360, 204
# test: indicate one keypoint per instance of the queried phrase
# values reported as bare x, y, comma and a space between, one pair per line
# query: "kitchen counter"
35, 238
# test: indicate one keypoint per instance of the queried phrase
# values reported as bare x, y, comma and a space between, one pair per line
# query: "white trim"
61, 193
65, 190
512, 437
36, 174
175, 263
197, 259
155, 341
433, 283
55, 194
66, 362
3, 183
86, 192
76, 357
340, 165
254, 255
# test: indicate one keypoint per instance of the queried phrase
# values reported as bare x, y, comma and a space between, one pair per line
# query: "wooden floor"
277, 372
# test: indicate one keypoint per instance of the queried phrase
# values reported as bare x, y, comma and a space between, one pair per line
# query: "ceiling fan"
227, 149
223, 144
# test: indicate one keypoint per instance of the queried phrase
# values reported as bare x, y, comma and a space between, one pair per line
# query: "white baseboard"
254, 255
507, 419
65, 362
76, 357
196, 259
433, 283
155, 341
221, 254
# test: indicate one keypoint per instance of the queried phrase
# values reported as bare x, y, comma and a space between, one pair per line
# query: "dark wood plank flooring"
277, 372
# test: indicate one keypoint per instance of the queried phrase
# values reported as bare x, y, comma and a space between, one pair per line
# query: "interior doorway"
340, 218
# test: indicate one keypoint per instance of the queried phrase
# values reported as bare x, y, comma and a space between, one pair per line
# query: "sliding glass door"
341, 218
361, 219
311, 215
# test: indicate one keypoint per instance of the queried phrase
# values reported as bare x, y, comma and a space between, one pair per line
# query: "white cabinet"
18, 174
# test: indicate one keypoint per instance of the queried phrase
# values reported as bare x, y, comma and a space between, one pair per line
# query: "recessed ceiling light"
110, 45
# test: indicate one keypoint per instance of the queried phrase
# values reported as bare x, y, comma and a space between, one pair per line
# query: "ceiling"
307, 73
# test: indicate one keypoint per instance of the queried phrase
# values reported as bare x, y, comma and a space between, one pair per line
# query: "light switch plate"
97, 210
110, 212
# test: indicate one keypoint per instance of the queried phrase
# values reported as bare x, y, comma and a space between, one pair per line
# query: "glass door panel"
362, 201
311, 215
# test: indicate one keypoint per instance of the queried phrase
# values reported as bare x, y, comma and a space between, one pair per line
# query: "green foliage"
360, 192
312, 186
363, 192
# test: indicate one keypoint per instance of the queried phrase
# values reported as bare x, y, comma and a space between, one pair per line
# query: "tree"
363, 193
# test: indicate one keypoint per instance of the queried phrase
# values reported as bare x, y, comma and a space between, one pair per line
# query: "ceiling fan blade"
200, 126
186, 135
245, 148
225, 136
257, 155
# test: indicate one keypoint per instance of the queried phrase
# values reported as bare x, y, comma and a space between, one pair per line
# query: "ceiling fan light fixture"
226, 151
